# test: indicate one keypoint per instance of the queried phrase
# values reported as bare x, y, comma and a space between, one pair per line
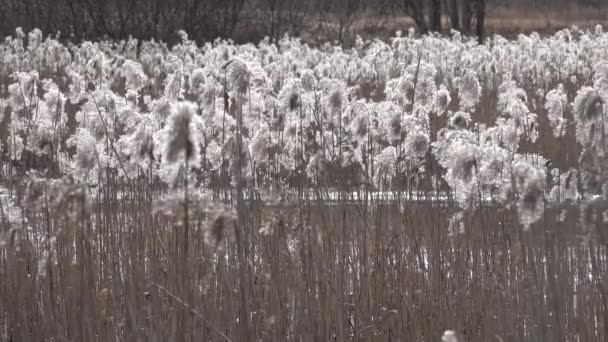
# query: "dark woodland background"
313, 20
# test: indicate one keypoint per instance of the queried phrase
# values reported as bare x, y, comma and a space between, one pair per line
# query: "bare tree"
277, 17
468, 13
243, 20
453, 11
467, 16
415, 8
347, 13
435, 15
480, 13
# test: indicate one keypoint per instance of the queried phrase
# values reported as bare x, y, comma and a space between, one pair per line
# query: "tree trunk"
416, 11
481, 18
467, 16
435, 15
454, 14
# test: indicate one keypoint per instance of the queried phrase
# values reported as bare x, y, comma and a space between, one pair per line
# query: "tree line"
467, 16
241, 20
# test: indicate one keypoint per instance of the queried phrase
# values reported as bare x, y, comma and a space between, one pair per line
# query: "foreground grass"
94, 268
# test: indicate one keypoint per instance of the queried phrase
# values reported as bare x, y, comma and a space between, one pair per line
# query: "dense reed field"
420, 189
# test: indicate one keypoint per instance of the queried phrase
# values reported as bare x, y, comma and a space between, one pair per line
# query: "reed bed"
424, 189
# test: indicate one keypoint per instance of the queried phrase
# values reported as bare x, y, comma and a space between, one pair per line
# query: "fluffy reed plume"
335, 99
11, 216
308, 79
530, 183
386, 166
15, 147
290, 96
463, 164
260, 145
182, 134
589, 115
23, 91
219, 225
470, 91
565, 188
87, 156
394, 127
556, 103
342, 207
391, 122
238, 76
360, 126
197, 80
316, 166
459, 120
449, 336
417, 144
593, 214
588, 105
442, 101
162, 109
135, 78
140, 145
